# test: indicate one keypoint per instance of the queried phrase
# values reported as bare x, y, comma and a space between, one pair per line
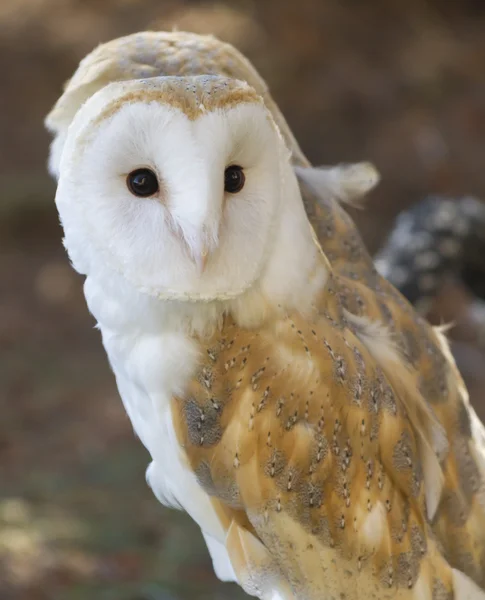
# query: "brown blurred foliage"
398, 83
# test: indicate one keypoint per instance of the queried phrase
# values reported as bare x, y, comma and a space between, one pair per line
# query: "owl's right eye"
142, 183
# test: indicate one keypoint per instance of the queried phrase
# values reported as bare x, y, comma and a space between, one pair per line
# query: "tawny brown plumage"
309, 444
341, 465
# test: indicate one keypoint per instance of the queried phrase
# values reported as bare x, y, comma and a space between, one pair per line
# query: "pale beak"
201, 259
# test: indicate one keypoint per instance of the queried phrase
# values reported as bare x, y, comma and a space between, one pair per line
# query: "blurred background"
398, 83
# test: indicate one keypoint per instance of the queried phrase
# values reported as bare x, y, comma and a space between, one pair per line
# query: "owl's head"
174, 183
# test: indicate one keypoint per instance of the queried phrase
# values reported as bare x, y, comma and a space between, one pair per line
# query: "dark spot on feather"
203, 424
440, 592
464, 422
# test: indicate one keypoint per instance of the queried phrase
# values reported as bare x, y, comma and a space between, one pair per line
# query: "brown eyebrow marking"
193, 96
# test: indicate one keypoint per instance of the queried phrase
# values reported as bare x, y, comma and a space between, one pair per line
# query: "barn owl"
293, 403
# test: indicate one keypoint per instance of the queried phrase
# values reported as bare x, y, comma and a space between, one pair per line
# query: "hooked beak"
203, 242
201, 259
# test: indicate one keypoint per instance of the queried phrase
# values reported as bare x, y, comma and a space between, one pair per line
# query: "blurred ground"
397, 83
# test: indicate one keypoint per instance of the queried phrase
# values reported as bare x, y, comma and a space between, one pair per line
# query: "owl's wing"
342, 458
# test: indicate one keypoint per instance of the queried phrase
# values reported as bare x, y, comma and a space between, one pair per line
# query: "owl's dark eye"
142, 182
234, 179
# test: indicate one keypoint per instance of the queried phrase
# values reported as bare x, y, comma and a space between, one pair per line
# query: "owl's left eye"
142, 183
234, 179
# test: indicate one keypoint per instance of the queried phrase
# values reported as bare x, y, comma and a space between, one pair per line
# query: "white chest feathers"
150, 368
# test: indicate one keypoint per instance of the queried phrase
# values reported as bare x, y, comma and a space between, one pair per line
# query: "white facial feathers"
187, 131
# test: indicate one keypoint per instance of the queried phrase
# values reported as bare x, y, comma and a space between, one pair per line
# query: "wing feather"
323, 461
